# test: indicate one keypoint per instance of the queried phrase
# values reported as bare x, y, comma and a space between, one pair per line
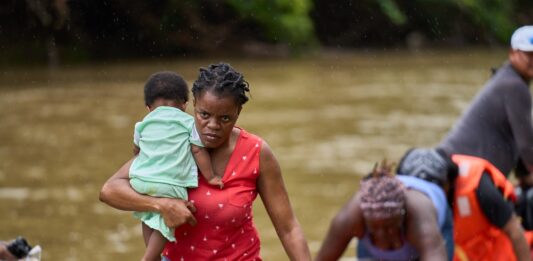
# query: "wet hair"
382, 195
222, 80
167, 85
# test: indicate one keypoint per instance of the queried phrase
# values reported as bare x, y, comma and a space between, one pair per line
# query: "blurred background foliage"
57, 31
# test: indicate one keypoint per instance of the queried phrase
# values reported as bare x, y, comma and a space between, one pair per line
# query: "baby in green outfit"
168, 150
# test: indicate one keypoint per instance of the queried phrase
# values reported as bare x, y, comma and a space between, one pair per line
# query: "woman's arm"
272, 190
347, 223
118, 193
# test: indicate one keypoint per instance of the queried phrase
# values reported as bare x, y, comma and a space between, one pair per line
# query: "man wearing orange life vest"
481, 233
485, 226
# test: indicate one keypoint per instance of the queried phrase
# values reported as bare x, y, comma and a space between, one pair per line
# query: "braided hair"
382, 195
222, 80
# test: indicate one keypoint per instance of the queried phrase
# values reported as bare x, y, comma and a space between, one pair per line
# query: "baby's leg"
216, 181
156, 244
147, 232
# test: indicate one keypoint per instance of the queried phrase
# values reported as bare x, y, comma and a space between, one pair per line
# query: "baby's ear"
184, 106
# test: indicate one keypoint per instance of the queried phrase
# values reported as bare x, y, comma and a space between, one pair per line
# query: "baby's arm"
136, 150
136, 138
203, 160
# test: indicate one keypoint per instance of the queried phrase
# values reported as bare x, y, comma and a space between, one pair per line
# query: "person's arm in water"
422, 227
347, 223
203, 160
274, 196
118, 193
513, 229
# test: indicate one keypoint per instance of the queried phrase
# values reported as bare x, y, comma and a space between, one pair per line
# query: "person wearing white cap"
521, 55
498, 126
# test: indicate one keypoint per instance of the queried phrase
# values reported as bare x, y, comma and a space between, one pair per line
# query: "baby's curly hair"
382, 195
166, 85
222, 79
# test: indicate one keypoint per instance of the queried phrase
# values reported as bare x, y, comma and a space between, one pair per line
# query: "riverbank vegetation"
56, 31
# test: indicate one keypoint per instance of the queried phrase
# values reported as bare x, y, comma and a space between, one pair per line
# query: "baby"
168, 150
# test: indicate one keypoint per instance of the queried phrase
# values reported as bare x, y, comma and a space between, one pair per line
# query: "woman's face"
215, 117
386, 229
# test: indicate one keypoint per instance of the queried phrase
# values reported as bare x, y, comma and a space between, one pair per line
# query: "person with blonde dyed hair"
382, 195
394, 218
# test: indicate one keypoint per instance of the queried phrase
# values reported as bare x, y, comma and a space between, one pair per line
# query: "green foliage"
391, 10
494, 15
285, 21
84, 30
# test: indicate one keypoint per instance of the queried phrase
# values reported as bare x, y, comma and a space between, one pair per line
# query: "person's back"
164, 138
497, 126
487, 128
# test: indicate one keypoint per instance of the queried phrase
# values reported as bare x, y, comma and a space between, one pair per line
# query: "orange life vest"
475, 237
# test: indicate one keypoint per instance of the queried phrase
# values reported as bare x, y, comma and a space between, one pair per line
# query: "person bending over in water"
394, 218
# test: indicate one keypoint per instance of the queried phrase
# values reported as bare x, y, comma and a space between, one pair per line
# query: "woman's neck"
221, 155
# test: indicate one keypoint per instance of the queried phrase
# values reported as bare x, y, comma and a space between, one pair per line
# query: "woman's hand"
176, 212
118, 193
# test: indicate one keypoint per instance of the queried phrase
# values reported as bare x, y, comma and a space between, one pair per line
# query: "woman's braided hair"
222, 80
382, 195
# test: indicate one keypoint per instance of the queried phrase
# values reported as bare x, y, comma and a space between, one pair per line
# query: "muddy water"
327, 118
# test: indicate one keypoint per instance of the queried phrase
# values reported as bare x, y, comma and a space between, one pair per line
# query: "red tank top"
225, 229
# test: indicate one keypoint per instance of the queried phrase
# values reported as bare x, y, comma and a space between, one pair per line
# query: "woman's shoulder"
245, 134
249, 141
245, 137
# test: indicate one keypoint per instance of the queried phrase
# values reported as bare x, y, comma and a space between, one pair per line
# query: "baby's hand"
216, 181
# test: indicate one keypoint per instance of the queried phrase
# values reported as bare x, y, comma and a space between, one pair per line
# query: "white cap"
522, 39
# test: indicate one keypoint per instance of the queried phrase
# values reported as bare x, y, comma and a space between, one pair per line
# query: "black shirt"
496, 209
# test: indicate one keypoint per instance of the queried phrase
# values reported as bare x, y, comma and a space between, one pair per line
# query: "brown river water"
328, 119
